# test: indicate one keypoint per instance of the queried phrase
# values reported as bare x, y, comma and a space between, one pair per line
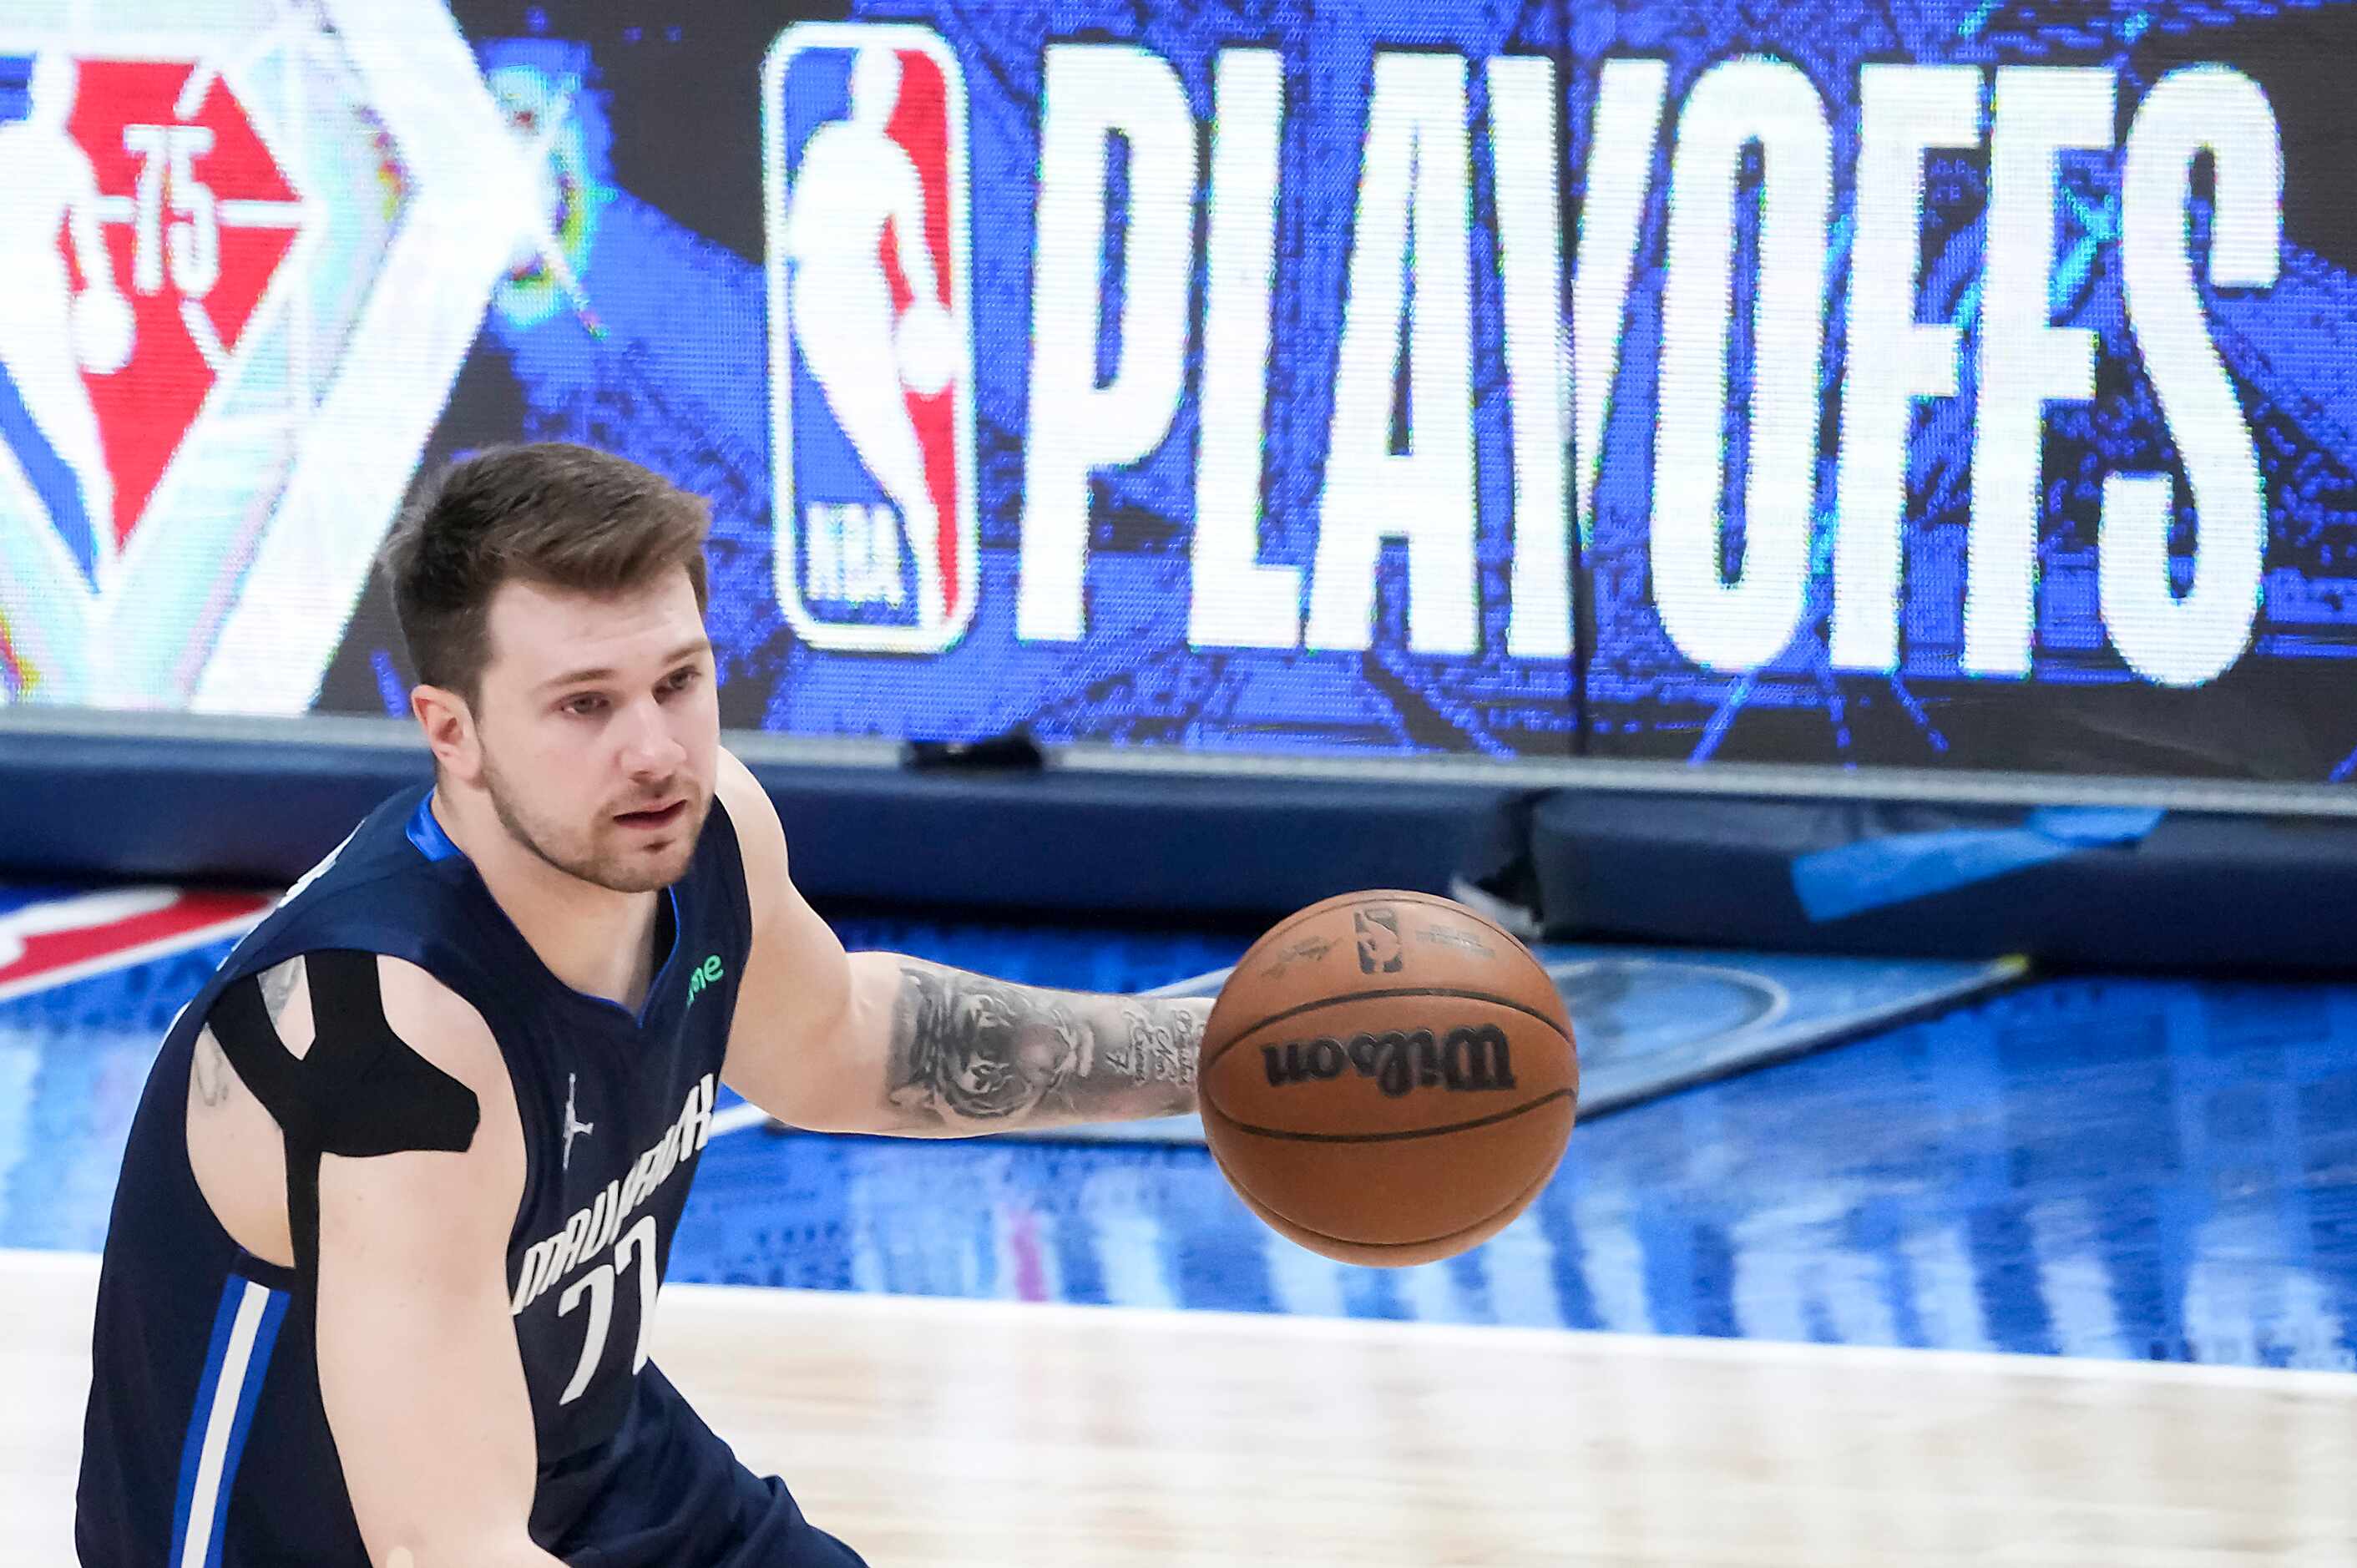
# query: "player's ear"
449, 727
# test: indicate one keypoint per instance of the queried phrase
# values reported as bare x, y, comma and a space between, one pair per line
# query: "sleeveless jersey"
206, 1441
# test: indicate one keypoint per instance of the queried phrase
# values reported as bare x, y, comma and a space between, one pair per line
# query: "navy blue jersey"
206, 1441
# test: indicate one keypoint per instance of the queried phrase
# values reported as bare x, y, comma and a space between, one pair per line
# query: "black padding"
2206, 892
359, 1091
160, 796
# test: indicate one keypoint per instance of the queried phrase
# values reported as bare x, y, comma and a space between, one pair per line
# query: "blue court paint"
2143, 1168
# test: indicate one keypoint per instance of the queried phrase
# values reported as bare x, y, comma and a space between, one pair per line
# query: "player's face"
600, 730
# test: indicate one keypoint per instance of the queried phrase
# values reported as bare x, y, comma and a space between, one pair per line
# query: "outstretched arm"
968, 1054
876, 1042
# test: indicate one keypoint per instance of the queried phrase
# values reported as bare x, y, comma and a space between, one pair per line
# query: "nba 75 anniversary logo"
871, 340
242, 248
148, 218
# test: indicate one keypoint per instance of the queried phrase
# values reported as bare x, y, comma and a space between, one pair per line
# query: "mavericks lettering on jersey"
592, 1230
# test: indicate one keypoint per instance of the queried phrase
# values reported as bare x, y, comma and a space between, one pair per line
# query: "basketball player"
403, 1184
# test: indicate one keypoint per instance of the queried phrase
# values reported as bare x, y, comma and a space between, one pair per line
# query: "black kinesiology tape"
360, 1090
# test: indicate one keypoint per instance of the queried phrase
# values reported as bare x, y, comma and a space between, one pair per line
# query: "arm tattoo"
1154, 1047
278, 985
210, 1072
975, 1048
969, 1048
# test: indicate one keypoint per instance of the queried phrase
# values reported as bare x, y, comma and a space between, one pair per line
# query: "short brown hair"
553, 513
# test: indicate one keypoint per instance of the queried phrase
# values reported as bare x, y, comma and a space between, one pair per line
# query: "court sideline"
960, 1432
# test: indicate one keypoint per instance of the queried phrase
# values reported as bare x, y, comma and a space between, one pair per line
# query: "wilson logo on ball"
1466, 1060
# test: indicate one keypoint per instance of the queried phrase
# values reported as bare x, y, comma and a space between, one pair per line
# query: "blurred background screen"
1963, 386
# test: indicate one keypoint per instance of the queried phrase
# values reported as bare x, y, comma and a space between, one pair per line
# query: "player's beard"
597, 854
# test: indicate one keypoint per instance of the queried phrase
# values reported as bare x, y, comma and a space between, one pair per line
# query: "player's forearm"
970, 1054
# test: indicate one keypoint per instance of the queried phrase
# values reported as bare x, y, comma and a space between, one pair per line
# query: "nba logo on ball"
871, 342
1379, 941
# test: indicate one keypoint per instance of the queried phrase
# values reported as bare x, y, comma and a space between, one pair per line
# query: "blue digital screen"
1935, 384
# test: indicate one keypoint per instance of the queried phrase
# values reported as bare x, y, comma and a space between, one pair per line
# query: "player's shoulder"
434, 1075
761, 837
389, 861
321, 988
437, 1024
436, 1155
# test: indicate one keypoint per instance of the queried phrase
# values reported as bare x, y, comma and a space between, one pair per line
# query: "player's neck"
594, 939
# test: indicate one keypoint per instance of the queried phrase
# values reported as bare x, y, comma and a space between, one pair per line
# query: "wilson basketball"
1388, 1078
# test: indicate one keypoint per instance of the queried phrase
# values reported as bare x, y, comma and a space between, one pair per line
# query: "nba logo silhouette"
148, 219
243, 254
148, 216
871, 344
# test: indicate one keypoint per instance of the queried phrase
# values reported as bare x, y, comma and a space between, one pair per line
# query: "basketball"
1388, 1078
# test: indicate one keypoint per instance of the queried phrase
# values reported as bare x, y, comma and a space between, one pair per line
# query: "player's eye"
680, 679
584, 705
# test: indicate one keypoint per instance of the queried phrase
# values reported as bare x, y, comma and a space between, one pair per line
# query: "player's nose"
649, 746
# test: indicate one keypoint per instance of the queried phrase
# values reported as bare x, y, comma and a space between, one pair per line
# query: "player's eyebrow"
604, 672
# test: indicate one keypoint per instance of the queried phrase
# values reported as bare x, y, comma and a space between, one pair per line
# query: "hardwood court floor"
992, 1435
